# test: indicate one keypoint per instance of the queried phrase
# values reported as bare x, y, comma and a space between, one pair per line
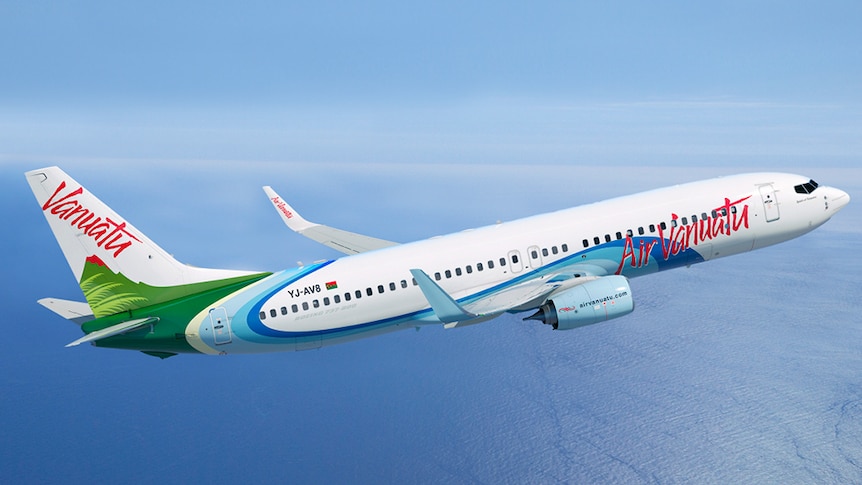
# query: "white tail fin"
118, 267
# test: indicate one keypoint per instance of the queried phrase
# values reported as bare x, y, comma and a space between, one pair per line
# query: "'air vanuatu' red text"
282, 207
724, 220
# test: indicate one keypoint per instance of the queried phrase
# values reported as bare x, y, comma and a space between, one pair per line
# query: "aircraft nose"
838, 199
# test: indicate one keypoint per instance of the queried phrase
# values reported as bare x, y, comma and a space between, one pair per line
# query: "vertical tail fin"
117, 266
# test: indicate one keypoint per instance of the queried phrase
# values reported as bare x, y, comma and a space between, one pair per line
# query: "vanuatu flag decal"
331, 285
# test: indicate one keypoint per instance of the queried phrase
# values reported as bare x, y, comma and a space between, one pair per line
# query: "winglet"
445, 307
342, 241
288, 214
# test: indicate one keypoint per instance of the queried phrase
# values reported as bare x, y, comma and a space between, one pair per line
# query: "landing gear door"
220, 326
770, 203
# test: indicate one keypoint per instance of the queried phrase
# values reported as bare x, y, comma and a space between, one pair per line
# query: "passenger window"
629, 232
693, 219
457, 271
554, 249
641, 231
325, 301
714, 213
724, 212
663, 225
437, 276
684, 221
733, 210
369, 291
544, 251
380, 289
607, 238
391, 286
305, 305
294, 308
347, 296
414, 282
315, 303
336, 299
358, 294
652, 228
272, 312
514, 259
448, 274
673, 223
586, 245
565, 248
502, 262
490, 265
597, 240
469, 269
619, 235
262, 315
284, 310
403, 283
703, 216
479, 267
534, 254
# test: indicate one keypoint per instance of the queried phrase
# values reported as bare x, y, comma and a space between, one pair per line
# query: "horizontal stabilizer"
445, 307
114, 330
337, 239
76, 311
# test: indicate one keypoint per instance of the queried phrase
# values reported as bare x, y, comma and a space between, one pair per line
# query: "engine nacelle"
593, 302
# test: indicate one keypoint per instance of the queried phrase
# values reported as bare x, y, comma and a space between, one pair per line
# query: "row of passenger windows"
336, 299
652, 227
348, 296
502, 262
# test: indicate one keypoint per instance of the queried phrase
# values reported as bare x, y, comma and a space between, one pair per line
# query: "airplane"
568, 268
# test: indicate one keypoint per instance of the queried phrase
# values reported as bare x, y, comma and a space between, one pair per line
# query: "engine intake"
593, 302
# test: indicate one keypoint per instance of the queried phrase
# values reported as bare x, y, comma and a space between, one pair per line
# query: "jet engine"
592, 302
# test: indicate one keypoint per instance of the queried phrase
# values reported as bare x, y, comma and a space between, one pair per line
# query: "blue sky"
480, 82
405, 122
282, 52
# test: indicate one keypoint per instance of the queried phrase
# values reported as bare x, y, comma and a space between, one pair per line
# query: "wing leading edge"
337, 239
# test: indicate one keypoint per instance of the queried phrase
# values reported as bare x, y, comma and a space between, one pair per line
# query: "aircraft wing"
342, 241
523, 296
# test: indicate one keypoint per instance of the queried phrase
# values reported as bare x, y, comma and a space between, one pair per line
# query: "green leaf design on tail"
105, 300
109, 293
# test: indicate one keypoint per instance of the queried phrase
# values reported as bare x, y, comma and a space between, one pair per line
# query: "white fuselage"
374, 292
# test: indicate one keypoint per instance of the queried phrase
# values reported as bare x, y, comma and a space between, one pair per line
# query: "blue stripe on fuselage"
612, 251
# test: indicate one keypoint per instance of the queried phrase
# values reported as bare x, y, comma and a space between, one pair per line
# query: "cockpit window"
806, 188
